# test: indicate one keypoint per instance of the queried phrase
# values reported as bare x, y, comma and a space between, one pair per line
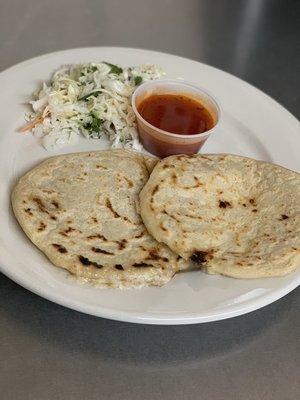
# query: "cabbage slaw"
92, 99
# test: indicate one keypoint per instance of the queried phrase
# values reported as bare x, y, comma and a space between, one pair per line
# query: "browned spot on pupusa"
162, 227
98, 250
197, 184
70, 229
85, 261
98, 166
141, 265
63, 234
283, 217
174, 178
41, 206
67, 231
115, 213
97, 236
171, 216
59, 248
191, 216
143, 248
119, 267
28, 211
94, 219
122, 244
139, 235
224, 204
201, 257
183, 167
153, 255
55, 204
252, 201
110, 207
42, 226
129, 182
155, 190
165, 166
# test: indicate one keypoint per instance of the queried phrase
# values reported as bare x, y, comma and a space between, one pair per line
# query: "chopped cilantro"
96, 93
95, 125
137, 80
114, 69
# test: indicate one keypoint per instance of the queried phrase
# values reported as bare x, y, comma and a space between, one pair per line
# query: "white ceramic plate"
254, 125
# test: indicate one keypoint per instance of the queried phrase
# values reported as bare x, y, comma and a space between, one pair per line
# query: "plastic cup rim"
182, 82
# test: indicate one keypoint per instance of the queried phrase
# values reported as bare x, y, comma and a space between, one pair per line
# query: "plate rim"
133, 316
152, 319
88, 48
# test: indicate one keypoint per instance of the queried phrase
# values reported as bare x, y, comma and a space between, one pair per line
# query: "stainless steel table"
49, 352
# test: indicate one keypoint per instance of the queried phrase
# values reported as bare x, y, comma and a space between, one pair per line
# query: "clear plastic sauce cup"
162, 143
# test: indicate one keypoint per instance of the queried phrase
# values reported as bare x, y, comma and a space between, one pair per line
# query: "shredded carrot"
34, 122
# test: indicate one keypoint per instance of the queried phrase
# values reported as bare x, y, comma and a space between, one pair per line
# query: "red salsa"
176, 113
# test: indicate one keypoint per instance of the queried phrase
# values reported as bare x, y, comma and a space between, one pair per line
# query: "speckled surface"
49, 352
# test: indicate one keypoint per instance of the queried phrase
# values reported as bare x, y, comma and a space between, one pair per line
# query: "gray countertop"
50, 352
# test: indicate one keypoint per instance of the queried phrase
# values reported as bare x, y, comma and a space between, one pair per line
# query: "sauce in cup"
176, 113
174, 117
